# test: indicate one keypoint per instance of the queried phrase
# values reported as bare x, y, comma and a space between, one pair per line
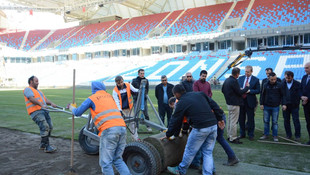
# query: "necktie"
308, 79
246, 82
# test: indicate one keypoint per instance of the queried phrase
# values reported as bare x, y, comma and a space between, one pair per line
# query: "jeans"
112, 145
145, 112
287, 123
162, 110
43, 120
204, 139
222, 141
272, 112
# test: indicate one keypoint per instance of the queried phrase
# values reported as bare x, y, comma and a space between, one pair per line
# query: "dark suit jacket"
159, 93
305, 88
292, 95
254, 89
232, 91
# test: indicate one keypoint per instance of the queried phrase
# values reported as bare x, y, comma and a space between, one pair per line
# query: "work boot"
44, 142
42, 146
49, 149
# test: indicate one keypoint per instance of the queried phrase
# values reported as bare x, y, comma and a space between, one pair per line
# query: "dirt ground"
19, 154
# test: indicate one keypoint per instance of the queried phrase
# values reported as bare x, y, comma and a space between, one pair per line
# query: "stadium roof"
73, 10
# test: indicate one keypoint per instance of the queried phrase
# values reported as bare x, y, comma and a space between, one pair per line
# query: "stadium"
107, 38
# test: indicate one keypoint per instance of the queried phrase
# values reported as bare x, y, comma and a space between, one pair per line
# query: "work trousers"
232, 120
132, 125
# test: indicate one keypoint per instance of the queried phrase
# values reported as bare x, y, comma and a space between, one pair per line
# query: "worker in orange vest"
111, 126
36, 102
123, 99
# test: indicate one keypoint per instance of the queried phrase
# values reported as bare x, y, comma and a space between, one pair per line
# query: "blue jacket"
95, 86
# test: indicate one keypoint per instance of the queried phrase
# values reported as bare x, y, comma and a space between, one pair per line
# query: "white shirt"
289, 85
248, 80
115, 95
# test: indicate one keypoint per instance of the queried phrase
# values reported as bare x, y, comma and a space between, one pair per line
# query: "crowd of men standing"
195, 104
240, 95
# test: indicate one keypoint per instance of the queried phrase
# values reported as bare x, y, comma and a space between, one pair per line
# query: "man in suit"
232, 94
305, 85
249, 102
292, 94
163, 93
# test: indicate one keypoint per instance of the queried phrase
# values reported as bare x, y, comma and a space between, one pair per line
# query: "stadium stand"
58, 34
137, 28
85, 35
199, 20
282, 61
277, 13
13, 39
34, 37
176, 67
239, 9
170, 19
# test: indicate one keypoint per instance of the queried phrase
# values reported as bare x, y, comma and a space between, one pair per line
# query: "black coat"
232, 91
188, 85
265, 80
200, 110
254, 89
159, 93
305, 88
136, 83
271, 95
292, 95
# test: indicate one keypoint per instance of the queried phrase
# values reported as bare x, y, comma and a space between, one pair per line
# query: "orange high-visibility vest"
128, 95
29, 105
106, 113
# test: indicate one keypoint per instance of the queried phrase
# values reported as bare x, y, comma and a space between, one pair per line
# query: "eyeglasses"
189, 76
163, 80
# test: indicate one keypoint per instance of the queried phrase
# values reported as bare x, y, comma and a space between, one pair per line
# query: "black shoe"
241, 137
251, 138
236, 141
232, 162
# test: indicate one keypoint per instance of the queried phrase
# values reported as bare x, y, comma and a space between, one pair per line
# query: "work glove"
72, 106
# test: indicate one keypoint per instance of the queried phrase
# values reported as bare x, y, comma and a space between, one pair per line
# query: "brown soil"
20, 154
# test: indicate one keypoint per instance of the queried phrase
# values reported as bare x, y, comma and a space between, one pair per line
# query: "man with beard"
202, 85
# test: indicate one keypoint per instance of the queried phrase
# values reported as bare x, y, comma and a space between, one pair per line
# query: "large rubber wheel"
140, 159
86, 145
